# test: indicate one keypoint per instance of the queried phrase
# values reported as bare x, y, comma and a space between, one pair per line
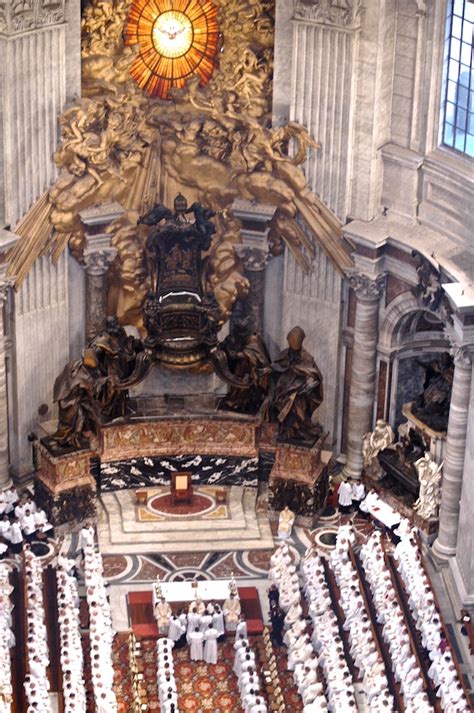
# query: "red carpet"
140, 610
162, 503
201, 687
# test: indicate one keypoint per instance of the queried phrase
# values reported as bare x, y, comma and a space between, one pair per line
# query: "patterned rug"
201, 687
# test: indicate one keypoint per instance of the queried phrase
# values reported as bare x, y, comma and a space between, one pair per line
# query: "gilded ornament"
214, 144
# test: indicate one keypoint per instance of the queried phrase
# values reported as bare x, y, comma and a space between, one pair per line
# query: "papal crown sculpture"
213, 143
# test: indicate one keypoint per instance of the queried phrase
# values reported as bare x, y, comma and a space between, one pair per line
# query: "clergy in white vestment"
210, 644
232, 611
241, 628
218, 621
345, 496
193, 622
204, 622
175, 629
195, 641
259, 706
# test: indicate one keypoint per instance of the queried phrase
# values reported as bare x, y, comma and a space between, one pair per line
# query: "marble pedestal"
64, 486
299, 479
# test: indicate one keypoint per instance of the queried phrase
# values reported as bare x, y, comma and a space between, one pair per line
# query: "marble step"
119, 510
257, 537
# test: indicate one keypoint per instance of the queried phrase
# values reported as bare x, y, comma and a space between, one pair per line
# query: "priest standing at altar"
210, 644
195, 640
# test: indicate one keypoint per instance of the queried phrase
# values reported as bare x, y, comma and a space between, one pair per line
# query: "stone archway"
408, 331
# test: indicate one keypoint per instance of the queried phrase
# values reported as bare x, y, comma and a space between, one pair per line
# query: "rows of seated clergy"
7, 637
36, 681
326, 638
167, 690
20, 520
406, 668
101, 631
363, 645
302, 658
72, 663
427, 620
245, 668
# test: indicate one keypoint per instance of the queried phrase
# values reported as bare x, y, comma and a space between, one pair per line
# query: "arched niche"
408, 334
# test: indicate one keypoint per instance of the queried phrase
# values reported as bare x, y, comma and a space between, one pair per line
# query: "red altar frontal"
143, 623
65, 484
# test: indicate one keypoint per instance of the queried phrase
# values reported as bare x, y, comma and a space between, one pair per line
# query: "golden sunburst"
177, 39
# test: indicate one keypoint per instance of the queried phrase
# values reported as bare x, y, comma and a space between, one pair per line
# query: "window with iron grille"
458, 95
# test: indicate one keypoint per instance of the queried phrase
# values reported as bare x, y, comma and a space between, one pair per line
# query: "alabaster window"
458, 95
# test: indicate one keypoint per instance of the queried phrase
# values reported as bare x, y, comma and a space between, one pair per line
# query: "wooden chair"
181, 488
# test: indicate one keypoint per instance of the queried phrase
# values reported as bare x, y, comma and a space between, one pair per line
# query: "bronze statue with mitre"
297, 391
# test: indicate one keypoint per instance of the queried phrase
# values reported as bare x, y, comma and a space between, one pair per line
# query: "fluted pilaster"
4, 455
362, 388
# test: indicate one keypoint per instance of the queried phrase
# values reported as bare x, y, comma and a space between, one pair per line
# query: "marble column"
4, 454
255, 261
97, 263
99, 254
445, 544
363, 373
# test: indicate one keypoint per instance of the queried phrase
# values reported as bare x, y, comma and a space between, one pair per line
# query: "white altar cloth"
380, 510
216, 589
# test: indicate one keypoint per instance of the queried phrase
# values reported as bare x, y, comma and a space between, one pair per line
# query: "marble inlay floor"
240, 526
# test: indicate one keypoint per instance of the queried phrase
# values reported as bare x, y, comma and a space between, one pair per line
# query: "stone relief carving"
462, 356
365, 287
24, 15
341, 13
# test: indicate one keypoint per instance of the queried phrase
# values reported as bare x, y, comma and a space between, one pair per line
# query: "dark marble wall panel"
411, 377
206, 470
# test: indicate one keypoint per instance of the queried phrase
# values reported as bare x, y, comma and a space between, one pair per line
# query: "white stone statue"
380, 438
429, 475
285, 523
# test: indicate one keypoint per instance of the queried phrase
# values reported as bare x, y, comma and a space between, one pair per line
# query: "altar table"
381, 511
216, 589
